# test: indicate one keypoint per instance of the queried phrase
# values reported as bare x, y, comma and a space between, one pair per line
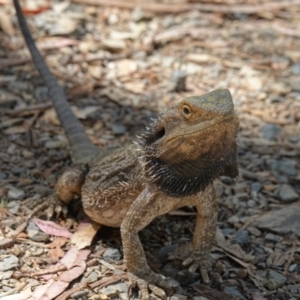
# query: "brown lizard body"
180, 155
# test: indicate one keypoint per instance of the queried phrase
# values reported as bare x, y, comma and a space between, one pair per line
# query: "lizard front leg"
67, 188
144, 209
204, 235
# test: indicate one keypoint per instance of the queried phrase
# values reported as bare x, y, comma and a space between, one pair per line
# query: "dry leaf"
137, 87
6, 23
50, 116
52, 228
125, 67
85, 233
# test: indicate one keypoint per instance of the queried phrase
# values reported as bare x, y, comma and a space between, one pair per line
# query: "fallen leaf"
24, 295
85, 233
50, 290
74, 257
137, 87
6, 24
125, 67
52, 228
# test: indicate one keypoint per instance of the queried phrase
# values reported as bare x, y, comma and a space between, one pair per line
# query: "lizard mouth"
200, 128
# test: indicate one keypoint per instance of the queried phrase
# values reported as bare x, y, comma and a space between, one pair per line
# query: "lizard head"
191, 144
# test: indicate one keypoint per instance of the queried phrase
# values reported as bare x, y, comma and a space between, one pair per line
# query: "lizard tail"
82, 149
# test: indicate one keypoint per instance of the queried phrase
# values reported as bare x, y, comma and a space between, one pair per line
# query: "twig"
286, 31
177, 8
30, 108
291, 257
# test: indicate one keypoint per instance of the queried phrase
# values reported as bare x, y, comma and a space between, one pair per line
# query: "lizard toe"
210, 271
154, 282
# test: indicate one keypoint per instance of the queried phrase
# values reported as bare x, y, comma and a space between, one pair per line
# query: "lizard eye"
186, 111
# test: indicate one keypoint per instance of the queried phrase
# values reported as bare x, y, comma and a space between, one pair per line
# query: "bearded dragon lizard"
183, 151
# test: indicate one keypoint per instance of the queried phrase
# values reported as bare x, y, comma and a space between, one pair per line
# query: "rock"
185, 278
293, 288
251, 203
112, 44
8, 100
242, 238
200, 298
91, 277
137, 14
178, 297
287, 167
18, 86
279, 88
226, 180
296, 69
118, 129
282, 220
55, 144
273, 238
295, 85
275, 280
13, 206
15, 194
292, 267
115, 289
35, 234
236, 294
256, 187
112, 254
43, 190
3, 175
41, 93
18, 170
170, 269
233, 219
8, 262
270, 131
165, 251
179, 78
38, 236
287, 194
228, 231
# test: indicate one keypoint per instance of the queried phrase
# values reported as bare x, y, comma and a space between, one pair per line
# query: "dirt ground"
120, 64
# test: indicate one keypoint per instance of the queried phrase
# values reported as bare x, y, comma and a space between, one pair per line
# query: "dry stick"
291, 257
166, 8
286, 31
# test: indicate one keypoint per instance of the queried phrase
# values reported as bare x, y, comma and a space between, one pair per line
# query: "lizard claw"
205, 265
150, 281
56, 207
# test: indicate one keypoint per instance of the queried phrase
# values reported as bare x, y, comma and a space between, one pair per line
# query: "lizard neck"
188, 177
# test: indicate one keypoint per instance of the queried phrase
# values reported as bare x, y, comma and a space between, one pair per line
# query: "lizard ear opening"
155, 136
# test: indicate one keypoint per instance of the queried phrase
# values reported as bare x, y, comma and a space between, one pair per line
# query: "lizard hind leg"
68, 186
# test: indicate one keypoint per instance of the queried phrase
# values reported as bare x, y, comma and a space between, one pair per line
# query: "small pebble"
270, 131
242, 238
112, 255
293, 267
8, 262
275, 280
178, 297
235, 293
287, 194
15, 194
118, 129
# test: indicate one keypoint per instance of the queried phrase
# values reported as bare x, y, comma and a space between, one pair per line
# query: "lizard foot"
149, 281
206, 267
55, 207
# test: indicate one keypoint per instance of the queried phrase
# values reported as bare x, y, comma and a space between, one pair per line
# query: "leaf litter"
120, 64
